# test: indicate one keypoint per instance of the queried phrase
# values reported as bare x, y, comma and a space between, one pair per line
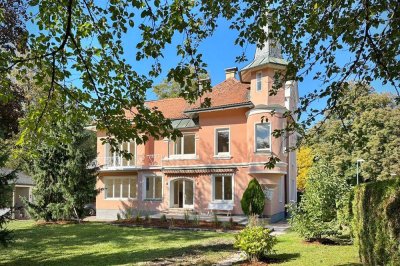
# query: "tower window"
258, 81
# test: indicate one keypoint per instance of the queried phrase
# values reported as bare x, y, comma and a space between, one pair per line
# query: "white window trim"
255, 138
217, 154
154, 184
114, 155
261, 85
113, 187
183, 155
213, 200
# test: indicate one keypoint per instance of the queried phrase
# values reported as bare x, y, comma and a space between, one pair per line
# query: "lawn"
104, 244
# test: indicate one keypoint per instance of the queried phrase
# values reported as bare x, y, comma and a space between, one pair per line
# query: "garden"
93, 243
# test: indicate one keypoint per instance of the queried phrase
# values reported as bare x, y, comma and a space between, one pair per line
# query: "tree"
64, 182
369, 129
170, 88
6, 178
316, 216
84, 39
253, 199
12, 40
304, 163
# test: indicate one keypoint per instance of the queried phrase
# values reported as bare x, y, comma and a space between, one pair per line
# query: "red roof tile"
228, 92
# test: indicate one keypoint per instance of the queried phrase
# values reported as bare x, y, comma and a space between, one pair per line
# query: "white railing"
137, 161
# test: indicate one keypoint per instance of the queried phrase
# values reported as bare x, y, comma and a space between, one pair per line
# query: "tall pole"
357, 173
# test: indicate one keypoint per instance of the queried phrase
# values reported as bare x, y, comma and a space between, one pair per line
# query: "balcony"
119, 162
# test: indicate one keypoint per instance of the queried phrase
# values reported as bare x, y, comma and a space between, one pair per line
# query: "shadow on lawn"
126, 257
282, 257
65, 244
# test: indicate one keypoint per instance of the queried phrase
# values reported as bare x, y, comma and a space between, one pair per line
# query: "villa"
223, 147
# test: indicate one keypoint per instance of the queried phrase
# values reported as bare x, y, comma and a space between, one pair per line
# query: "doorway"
182, 193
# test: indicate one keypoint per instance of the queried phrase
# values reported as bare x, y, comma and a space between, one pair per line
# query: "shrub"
316, 216
196, 219
255, 241
215, 219
163, 218
253, 199
231, 222
186, 216
376, 222
226, 225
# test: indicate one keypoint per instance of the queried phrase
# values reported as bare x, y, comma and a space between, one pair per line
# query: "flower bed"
179, 224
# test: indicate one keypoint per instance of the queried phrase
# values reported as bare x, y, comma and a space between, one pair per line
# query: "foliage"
85, 39
376, 222
6, 188
215, 219
369, 130
253, 199
64, 180
171, 88
255, 241
315, 217
163, 218
196, 219
304, 163
186, 216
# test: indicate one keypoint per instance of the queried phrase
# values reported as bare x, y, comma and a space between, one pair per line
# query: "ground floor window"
120, 187
154, 187
222, 188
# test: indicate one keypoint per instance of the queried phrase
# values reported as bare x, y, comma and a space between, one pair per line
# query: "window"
263, 137
120, 187
154, 187
258, 81
222, 141
185, 145
115, 159
223, 188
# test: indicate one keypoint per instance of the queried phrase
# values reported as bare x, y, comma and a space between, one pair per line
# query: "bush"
253, 199
255, 241
163, 218
316, 216
376, 222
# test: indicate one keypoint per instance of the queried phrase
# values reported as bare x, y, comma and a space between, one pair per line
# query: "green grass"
104, 244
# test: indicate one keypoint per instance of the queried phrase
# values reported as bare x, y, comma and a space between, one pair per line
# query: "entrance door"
182, 193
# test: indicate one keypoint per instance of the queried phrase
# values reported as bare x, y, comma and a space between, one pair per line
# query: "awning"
183, 123
199, 171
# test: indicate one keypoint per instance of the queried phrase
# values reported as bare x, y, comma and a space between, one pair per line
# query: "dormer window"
258, 81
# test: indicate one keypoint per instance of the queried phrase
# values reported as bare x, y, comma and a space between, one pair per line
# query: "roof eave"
219, 108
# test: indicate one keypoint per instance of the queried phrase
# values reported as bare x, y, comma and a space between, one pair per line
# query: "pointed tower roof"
269, 54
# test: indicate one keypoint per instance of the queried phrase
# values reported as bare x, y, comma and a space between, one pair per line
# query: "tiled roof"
229, 92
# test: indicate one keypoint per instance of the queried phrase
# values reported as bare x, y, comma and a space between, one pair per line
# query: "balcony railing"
137, 161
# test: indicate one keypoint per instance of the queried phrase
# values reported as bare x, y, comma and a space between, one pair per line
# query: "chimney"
230, 72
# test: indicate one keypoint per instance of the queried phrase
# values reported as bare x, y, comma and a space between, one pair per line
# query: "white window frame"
116, 156
259, 81
222, 154
255, 138
154, 188
223, 188
184, 155
113, 178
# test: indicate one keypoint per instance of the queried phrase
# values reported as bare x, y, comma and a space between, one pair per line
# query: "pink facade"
223, 148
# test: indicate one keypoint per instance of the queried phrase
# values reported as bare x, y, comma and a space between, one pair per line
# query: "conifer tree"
64, 179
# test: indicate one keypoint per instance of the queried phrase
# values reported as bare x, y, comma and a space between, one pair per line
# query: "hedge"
376, 222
